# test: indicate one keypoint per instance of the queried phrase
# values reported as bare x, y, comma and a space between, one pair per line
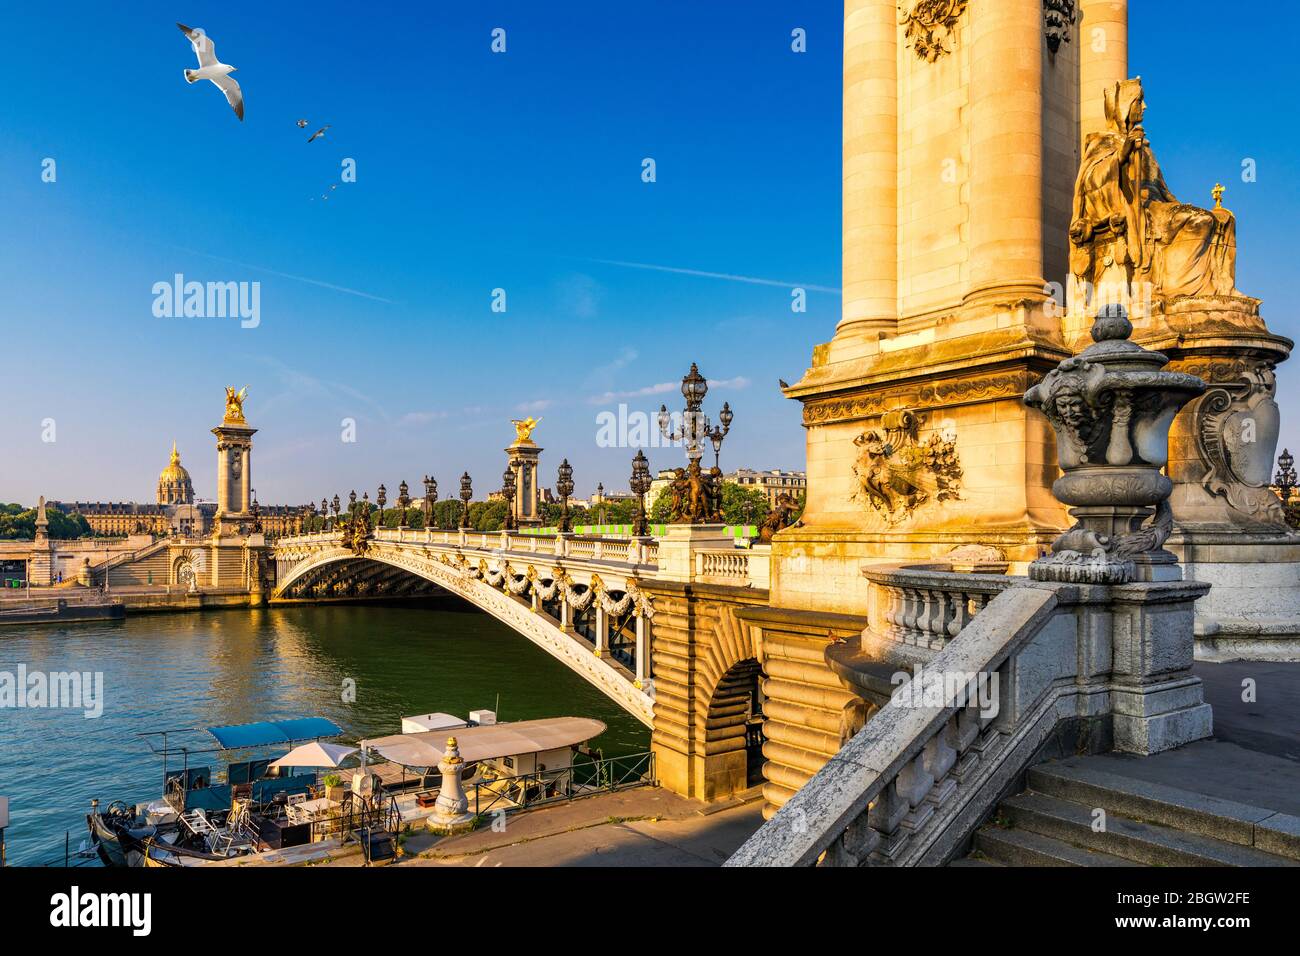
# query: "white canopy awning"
315, 754
485, 743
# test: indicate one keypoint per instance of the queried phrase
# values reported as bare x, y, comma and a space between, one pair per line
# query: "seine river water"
171, 671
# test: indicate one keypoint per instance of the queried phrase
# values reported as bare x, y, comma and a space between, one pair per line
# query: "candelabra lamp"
430, 499
1286, 479
508, 492
695, 426
640, 484
403, 502
564, 488
466, 493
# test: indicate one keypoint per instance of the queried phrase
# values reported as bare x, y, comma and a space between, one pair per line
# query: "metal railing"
583, 778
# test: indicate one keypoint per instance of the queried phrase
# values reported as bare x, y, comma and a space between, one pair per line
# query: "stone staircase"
1147, 822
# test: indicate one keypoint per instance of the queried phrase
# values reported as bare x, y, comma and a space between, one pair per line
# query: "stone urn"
1111, 407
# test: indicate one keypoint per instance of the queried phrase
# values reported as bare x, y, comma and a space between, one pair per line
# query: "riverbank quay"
645, 826
66, 605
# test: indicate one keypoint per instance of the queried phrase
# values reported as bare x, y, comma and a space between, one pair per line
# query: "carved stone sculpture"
1237, 429
1128, 228
930, 25
1058, 18
1111, 407
897, 473
782, 516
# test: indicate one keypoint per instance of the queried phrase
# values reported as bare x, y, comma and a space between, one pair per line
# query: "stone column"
602, 630
870, 244
1102, 38
245, 479
223, 479
566, 613
642, 651
1006, 152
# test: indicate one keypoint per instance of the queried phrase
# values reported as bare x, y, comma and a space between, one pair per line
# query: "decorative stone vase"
1111, 407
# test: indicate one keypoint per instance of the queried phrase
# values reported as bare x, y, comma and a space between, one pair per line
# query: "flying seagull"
319, 133
302, 124
211, 69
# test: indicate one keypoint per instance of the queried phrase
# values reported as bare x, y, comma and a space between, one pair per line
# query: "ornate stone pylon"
524, 456
234, 469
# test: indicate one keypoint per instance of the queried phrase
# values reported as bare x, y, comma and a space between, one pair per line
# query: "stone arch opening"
734, 728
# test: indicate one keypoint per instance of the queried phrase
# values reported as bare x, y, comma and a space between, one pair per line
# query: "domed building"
174, 485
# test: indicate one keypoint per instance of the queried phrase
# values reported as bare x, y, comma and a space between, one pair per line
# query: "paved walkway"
643, 827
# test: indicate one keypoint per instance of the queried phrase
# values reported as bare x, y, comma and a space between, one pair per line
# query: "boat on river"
255, 804
267, 808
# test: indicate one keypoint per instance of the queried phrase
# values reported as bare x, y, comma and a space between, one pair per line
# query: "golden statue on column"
235, 405
1129, 229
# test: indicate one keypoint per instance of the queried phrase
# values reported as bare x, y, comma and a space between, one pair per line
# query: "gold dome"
174, 470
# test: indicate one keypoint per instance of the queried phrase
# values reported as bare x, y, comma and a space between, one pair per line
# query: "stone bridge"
582, 599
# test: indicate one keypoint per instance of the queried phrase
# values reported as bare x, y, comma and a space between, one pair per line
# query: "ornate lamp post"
564, 488
508, 492
695, 425
336, 506
1286, 478
640, 484
352, 503
600, 495
466, 493
381, 499
403, 501
430, 499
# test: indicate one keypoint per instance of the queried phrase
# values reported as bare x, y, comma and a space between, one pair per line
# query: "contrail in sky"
752, 280
287, 275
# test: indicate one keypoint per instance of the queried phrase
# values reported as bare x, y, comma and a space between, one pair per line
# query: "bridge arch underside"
389, 571
357, 578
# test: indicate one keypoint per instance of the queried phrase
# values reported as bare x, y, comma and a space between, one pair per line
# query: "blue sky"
476, 171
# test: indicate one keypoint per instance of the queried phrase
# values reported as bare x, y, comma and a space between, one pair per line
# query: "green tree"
19, 523
487, 515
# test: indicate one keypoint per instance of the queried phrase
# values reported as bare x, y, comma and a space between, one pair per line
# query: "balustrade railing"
926, 605
898, 784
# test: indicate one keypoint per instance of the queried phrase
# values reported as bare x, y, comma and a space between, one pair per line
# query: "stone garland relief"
897, 473
930, 25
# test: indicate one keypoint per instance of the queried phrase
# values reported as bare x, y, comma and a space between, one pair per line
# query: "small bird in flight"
319, 133
302, 124
211, 69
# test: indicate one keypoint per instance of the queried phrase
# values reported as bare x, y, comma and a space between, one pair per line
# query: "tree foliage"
19, 523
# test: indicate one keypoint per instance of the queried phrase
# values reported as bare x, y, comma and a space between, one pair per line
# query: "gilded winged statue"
235, 403
524, 427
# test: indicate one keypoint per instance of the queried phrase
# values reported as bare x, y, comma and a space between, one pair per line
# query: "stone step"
1147, 843
1015, 847
974, 861
1081, 781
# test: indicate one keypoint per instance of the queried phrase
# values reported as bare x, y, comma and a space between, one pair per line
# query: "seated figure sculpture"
1128, 227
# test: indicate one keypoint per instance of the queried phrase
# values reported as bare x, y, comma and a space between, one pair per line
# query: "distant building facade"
174, 511
772, 483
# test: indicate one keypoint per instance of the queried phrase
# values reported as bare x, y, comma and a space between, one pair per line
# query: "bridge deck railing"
636, 551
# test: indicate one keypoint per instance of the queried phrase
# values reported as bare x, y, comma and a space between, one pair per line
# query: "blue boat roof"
267, 732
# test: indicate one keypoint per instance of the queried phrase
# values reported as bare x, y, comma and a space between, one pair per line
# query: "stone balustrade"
1035, 667
926, 605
